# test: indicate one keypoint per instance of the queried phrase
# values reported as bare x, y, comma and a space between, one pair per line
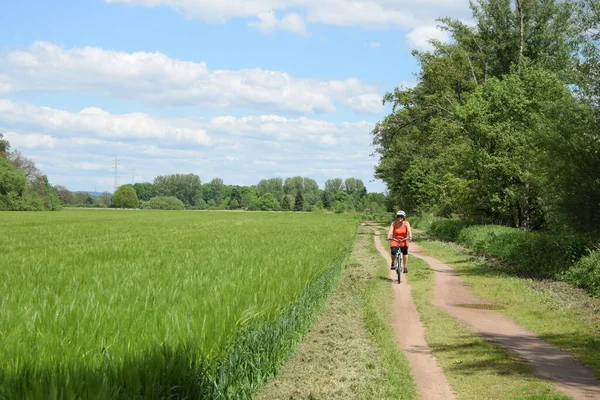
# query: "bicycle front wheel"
399, 266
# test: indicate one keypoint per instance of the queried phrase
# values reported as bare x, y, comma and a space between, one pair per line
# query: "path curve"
550, 362
429, 376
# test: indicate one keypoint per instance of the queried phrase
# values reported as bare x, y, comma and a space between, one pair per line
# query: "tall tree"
334, 185
299, 202
186, 187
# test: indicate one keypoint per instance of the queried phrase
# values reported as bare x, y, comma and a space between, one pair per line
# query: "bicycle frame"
399, 260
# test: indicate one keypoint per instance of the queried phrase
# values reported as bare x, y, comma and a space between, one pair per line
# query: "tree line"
23, 187
502, 126
186, 191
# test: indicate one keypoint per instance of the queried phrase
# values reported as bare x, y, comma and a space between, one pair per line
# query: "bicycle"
399, 259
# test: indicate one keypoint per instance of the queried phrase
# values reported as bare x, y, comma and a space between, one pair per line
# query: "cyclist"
400, 229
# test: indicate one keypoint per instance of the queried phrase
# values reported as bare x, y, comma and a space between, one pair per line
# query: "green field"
133, 304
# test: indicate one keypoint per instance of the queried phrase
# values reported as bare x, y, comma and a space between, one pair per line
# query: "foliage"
4, 146
287, 203
532, 254
164, 203
144, 191
299, 202
502, 125
268, 202
444, 229
125, 197
131, 326
586, 273
186, 187
273, 186
11, 178
333, 185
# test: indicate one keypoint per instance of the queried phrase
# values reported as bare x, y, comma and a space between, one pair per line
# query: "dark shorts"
403, 250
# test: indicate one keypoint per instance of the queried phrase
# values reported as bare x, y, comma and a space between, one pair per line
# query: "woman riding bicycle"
400, 234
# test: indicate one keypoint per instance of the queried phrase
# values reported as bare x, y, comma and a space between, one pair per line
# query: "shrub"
586, 273
164, 203
125, 197
532, 254
443, 229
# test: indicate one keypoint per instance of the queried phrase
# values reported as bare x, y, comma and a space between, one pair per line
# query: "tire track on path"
548, 361
429, 376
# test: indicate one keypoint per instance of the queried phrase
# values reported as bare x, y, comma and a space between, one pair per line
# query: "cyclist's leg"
404, 250
394, 251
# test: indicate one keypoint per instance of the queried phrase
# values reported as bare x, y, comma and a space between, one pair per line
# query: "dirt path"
451, 296
429, 377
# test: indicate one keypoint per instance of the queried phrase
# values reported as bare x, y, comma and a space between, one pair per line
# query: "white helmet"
401, 214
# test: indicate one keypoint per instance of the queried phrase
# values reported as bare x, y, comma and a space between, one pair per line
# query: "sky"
234, 89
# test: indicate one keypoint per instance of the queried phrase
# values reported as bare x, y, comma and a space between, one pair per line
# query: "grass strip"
350, 352
475, 368
559, 316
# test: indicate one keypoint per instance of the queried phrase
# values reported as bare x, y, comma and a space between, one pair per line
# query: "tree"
333, 185
4, 146
144, 191
125, 197
235, 199
327, 198
11, 178
268, 202
186, 187
65, 195
293, 185
26, 165
287, 203
273, 186
355, 188
217, 190
299, 202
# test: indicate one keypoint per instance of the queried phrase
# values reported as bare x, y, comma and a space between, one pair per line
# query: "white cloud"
375, 45
77, 148
158, 79
268, 23
30, 141
367, 13
414, 16
99, 123
420, 36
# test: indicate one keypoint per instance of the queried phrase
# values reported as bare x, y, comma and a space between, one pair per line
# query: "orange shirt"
400, 232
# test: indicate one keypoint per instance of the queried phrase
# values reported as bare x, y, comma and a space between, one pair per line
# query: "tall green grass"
133, 304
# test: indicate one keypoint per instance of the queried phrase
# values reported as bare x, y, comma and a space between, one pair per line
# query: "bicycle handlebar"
399, 240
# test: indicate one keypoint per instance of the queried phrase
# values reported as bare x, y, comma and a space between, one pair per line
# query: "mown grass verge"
350, 353
557, 316
475, 368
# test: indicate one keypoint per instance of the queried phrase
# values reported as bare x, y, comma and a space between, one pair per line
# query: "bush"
532, 254
125, 197
586, 273
164, 203
443, 229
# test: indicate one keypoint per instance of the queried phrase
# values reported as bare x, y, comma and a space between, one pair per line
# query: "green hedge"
586, 273
531, 254
163, 203
443, 229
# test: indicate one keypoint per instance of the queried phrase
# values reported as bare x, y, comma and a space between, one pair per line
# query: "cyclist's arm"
390, 231
408, 230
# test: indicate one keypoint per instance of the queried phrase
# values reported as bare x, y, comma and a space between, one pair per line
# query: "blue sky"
240, 90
